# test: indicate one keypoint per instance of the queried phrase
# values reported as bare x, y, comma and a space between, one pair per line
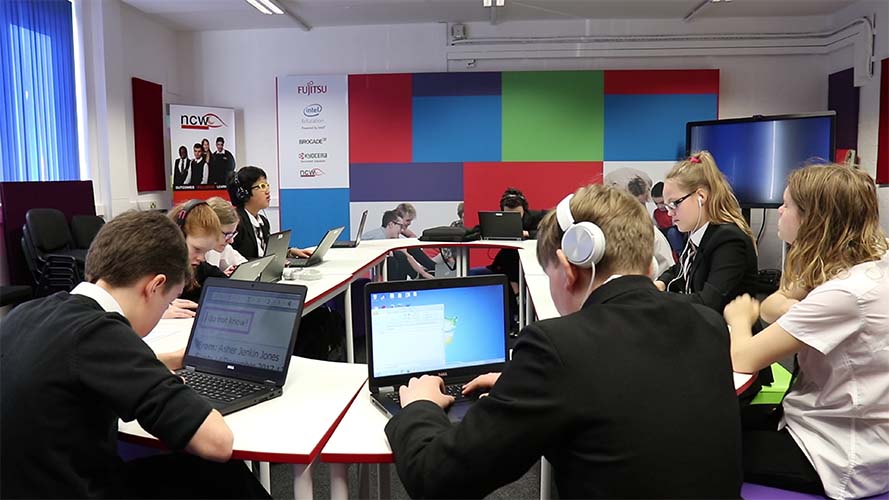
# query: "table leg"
462, 261
384, 274
385, 485
302, 481
363, 480
350, 341
523, 298
262, 473
339, 481
545, 479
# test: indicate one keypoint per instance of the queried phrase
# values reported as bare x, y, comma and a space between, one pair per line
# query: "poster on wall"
313, 128
202, 144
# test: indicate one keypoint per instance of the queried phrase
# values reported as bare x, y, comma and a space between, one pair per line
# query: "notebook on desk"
455, 328
322, 248
353, 243
500, 225
240, 343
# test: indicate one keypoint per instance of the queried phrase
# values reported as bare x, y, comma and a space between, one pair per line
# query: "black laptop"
241, 340
322, 248
252, 270
279, 246
455, 328
500, 225
353, 243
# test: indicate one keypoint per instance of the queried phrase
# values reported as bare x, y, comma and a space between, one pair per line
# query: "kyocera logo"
312, 110
315, 172
205, 122
310, 88
318, 141
312, 156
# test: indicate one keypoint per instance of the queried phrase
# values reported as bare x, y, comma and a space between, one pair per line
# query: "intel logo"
312, 110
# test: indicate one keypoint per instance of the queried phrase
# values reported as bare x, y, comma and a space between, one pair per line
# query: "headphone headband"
186, 209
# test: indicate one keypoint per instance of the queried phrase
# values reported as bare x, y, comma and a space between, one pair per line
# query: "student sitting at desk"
401, 263
250, 193
629, 394
73, 363
224, 256
830, 434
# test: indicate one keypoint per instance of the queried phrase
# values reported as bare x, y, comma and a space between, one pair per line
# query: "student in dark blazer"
629, 394
719, 260
182, 168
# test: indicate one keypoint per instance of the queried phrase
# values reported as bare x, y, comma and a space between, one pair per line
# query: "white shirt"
698, 234
257, 230
663, 254
225, 259
838, 409
100, 295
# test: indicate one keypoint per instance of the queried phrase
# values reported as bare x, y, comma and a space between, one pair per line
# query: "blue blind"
38, 111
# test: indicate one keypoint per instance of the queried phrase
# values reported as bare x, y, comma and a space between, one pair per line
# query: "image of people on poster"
182, 169
199, 170
222, 163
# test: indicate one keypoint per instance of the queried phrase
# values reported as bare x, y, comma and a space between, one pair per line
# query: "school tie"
687, 261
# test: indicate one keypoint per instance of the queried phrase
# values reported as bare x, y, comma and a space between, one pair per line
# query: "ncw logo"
205, 122
315, 172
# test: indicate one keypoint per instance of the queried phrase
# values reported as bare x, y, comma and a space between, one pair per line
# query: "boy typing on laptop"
73, 363
611, 393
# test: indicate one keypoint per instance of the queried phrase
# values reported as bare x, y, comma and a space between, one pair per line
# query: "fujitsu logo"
205, 122
310, 88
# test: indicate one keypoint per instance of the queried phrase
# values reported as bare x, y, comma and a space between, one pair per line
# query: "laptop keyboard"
218, 388
455, 390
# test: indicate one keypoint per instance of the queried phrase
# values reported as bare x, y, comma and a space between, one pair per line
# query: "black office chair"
49, 234
84, 229
53, 263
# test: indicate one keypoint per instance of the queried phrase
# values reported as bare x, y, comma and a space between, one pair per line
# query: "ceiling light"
260, 7
272, 6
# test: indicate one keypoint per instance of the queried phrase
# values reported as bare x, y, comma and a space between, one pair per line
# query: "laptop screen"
246, 327
416, 331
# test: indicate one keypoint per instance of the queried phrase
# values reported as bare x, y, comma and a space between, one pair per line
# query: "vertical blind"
38, 111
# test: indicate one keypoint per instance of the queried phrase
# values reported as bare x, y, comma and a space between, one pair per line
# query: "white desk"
289, 429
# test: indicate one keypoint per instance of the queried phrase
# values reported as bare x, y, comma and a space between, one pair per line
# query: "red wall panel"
380, 118
148, 135
883, 139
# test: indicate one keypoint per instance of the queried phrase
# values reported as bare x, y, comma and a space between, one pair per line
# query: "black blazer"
245, 241
725, 267
631, 397
179, 177
221, 166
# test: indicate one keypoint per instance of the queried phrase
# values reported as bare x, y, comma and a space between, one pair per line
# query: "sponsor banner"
193, 169
313, 131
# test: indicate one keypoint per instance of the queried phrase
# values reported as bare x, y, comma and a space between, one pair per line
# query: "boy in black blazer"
628, 395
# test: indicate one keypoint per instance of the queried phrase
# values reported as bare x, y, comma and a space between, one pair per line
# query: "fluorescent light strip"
269, 4
260, 7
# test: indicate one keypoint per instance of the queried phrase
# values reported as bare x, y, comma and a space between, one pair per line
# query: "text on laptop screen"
426, 330
245, 327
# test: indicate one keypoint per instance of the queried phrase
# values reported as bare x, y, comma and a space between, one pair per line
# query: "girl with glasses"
830, 434
224, 256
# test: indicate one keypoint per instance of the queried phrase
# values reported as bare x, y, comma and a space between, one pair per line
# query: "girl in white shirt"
223, 255
830, 434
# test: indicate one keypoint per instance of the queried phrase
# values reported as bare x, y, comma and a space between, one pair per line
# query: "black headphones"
184, 211
238, 192
513, 194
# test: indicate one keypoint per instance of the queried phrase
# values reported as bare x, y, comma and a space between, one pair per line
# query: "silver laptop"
279, 246
500, 225
252, 270
455, 328
241, 341
322, 248
351, 243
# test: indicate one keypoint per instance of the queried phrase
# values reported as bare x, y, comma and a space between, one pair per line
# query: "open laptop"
455, 328
241, 341
500, 225
322, 248
252, 270
279, 246
353, 243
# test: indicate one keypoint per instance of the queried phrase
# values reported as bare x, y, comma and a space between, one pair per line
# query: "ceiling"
205, 15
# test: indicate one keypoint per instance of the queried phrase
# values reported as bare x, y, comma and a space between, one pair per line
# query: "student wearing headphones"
250, 193
200, 226
74, 363
830, 434
719, 260
594, 391
223, 255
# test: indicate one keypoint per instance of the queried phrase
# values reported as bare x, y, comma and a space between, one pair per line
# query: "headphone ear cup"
583, 244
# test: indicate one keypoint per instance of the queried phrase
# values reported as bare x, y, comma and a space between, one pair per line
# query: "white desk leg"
384, 273
546, 471
339, 481
263, 474
523, 318
385, 486
302, 481
350, 341
462, 261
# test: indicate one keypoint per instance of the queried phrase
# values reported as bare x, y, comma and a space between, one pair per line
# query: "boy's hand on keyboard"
481, 384
427, 387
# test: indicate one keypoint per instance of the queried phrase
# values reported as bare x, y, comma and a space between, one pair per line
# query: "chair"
772, 394
84, 229
50, 272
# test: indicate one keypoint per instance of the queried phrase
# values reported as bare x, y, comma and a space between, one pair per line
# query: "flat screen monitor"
757, 154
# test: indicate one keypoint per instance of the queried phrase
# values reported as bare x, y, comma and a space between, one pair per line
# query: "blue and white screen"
426, 330
245, 327
756, 157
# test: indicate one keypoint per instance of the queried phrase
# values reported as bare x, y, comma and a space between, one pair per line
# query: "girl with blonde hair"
223, 255
719, 260
830, 434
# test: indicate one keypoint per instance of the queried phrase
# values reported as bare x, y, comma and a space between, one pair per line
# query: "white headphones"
582, 242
